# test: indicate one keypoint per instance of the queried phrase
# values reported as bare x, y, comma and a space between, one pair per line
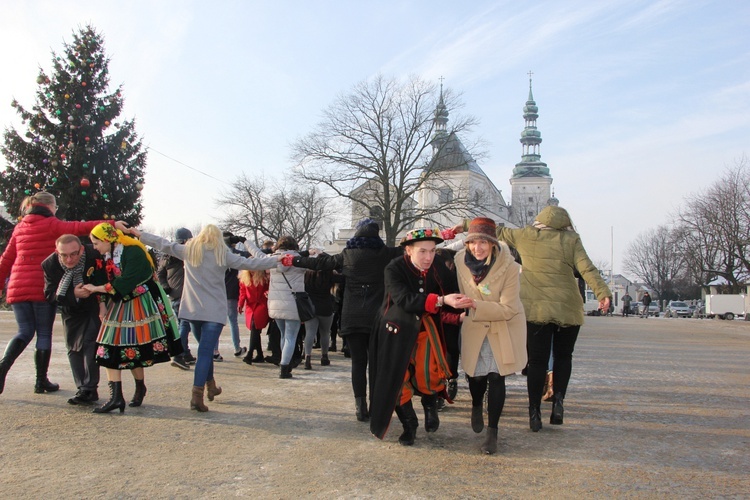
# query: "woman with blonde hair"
254, 302
33, 240
138, 326
204, 296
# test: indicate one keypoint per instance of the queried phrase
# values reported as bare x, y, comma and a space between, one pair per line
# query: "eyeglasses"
69, 255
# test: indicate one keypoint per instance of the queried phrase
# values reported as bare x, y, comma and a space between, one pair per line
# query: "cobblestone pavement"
656, 408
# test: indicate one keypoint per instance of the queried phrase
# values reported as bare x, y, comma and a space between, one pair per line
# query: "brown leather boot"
212, 389
196, 402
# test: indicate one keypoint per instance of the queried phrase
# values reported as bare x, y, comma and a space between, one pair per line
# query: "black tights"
539, 339
359, 346
495, 398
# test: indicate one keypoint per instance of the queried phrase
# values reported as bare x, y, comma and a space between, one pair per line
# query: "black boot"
489, 446
115, 399
140, 393
363, 415
431, 419
14, 349
41, 357
477, 418
452, 388
286, 371
408, 419
324, 361
556, 418
308, 362
535, 418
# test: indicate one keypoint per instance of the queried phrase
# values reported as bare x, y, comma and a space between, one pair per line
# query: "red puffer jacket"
33, 241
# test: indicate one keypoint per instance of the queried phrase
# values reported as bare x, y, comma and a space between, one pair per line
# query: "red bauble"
85, 182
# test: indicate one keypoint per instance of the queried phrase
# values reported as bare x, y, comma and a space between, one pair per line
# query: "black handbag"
305, 307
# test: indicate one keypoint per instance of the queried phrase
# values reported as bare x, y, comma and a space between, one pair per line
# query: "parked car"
677, 309
653, 309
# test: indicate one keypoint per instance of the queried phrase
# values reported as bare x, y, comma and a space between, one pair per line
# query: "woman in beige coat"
493, 334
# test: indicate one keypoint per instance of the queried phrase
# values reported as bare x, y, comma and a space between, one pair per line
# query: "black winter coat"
363, 271
171, 276
396, 330
76, 314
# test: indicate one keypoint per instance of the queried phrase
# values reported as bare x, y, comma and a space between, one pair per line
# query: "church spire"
531, 164
441, 121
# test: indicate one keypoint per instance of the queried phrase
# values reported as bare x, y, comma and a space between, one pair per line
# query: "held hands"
458, 301
604, 304
134, 231
80, 292
457, 229
121, 225
447, 234
286, 259
93, 289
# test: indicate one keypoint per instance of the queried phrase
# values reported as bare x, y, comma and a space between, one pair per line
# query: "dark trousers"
82, 356
495, 399
539, 339
359, 348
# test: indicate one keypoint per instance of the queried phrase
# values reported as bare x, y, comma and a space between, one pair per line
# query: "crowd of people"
407, 313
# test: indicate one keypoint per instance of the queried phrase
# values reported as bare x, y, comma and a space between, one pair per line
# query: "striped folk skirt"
138, 332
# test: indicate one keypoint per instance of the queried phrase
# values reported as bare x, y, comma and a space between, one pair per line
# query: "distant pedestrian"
645, 302
626, 300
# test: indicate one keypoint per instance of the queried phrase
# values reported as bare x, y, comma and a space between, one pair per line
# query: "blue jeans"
207, 333
183, 325
289, 329
233, 326
35, 317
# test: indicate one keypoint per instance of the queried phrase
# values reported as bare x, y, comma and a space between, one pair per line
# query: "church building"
457, 177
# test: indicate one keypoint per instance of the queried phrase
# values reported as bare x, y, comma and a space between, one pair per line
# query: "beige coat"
498, 316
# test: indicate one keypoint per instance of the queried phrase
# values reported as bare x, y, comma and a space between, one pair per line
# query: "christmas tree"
73, 146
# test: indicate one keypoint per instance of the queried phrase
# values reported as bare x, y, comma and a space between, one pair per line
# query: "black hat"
367, 228
182, 235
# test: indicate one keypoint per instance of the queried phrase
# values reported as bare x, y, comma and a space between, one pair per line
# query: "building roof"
453, 156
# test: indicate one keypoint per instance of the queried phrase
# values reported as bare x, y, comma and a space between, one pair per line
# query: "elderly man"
65, 273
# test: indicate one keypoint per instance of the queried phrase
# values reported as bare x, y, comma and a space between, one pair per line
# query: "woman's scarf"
72, 276
478, 268
107, 232
375, 243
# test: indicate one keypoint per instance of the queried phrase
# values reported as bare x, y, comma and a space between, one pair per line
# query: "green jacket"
549, 259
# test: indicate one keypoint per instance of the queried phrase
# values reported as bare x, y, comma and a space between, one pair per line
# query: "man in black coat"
407, 352
65, 273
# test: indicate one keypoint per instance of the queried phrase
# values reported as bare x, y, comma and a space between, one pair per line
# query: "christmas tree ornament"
85, 182
83, 84
78, 106
139, 186
54, 163
70, 118
83, 193
67, 96
36, 185
105, 172
85, 165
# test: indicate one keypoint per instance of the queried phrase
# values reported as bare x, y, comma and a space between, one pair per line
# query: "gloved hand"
447, 234
287, 260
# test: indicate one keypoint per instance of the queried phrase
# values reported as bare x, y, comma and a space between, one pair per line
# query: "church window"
376, 213
445, 195
530, 213
531, 198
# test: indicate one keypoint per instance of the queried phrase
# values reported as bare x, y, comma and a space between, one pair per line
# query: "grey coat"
281, 304
204, 295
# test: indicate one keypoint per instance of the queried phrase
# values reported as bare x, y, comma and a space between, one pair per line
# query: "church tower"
531, 181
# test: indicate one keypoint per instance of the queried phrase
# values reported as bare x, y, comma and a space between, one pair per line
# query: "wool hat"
182, 235
421, 234
482, 228
367, 228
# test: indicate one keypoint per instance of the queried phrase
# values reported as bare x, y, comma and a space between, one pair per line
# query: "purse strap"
287, 282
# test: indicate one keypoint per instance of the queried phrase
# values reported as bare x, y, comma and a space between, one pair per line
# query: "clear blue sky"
641, 103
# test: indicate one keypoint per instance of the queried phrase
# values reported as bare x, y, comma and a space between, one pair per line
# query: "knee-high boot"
408, 419
14, 349
431, 419
42, 357
115, 399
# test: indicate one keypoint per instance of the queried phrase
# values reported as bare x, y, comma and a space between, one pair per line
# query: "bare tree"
374, 148
656, 258
715, 229
261, 209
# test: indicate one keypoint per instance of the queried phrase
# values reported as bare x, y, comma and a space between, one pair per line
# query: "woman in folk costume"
493, 333
407, 351
139, 326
